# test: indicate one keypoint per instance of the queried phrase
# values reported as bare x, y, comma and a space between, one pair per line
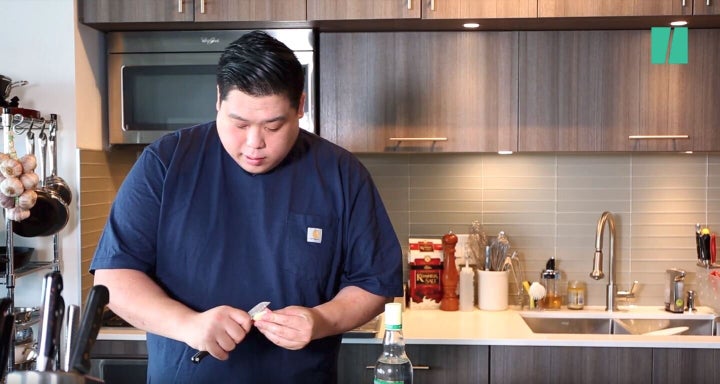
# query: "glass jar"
576, 294
553, 296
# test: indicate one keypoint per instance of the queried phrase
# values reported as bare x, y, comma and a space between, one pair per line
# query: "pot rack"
18, 124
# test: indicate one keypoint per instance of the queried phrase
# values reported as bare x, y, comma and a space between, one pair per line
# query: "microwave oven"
161, 81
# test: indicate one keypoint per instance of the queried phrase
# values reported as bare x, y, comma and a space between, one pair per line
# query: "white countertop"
508, 328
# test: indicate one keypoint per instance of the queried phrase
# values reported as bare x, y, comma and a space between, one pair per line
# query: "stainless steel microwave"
161, 81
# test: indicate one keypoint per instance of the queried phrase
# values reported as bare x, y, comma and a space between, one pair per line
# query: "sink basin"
638, 321
568, 325
663, 326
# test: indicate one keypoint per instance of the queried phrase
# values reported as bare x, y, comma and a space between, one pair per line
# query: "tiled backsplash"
549, 206
101, 174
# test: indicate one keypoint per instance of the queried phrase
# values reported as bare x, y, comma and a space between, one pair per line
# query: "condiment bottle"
576, 294
393, 366
467, 293
450, 276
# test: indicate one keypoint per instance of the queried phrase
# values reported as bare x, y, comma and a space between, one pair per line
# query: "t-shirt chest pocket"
310, 245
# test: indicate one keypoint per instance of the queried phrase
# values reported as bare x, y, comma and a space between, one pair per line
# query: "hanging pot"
50, 213
53, 181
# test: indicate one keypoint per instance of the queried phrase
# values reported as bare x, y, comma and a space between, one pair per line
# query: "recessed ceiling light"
688, 152
505, 152
678, 23
471, 25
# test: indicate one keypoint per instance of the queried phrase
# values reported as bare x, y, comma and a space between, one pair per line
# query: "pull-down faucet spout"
597, 273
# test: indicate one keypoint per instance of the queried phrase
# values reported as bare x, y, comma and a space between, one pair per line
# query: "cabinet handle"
707, 3
399, 139
202, 6
180, 6
409, 4
683, 3
652, 137
432, 5
415, 367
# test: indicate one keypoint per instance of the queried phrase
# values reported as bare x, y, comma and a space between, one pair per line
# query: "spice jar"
576, 294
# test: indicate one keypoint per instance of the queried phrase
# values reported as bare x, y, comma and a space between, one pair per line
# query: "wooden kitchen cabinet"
588, 365
680, 366
464, 9
458, 86
579, 90
706, 7
682, 99
432, 363
415, 9
136, 11
362, 10
700, 79
593, 90
582, 8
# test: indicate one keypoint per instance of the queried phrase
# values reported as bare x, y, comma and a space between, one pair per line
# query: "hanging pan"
50, 213
53, 181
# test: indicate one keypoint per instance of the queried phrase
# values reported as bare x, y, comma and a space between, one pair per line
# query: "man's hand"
290, 327
218, 330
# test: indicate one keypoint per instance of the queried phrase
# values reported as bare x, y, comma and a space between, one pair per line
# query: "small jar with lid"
576, 294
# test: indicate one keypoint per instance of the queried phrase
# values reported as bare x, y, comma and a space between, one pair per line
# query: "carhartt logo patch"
314, 235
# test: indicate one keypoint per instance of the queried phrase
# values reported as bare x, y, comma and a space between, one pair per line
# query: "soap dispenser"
674, 290
551, 280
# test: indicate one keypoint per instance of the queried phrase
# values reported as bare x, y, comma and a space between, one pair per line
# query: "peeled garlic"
11, 187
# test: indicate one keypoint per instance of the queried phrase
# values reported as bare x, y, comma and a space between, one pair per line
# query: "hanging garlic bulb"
12, 186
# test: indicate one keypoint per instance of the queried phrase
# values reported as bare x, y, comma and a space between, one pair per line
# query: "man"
215, 218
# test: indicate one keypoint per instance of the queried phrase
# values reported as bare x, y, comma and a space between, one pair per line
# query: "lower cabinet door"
587, 365
455, 364
680, 366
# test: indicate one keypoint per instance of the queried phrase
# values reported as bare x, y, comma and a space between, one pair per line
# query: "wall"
38, 47
549, 206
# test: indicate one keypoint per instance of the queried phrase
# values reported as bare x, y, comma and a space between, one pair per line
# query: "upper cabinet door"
706, 7
692, 100
579, 90
362, 9
463, 9
426, 92
579, 8
249, 10
136, 11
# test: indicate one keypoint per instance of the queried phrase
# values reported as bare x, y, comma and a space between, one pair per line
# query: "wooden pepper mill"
450, 275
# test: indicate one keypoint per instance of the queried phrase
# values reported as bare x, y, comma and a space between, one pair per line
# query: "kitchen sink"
643, 321
568, 325
663, 327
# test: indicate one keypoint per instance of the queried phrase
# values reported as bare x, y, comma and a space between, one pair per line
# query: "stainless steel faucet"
597, 273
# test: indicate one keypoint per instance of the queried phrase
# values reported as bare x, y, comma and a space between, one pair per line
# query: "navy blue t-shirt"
210, 233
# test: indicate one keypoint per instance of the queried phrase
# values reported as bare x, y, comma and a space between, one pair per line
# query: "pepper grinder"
450, 300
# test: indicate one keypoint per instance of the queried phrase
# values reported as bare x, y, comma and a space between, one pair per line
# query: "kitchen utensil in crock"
71, 335
98, 298
53, 181
50, 213
21, 257
50, 313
